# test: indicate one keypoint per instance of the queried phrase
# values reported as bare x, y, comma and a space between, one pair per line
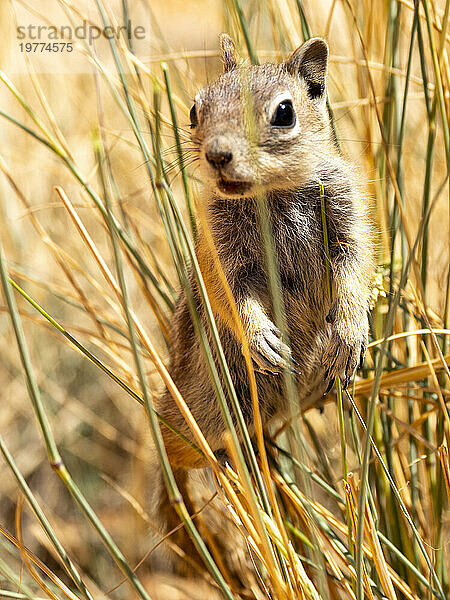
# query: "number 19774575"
46, 47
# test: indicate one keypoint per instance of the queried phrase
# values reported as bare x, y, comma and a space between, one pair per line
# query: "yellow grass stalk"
184, 409
63, 259
401, 376
437, 389
342, 529
32, 557
23, 554
352, 510
375, 546
443, 455
337, 573
255, 510
406, 334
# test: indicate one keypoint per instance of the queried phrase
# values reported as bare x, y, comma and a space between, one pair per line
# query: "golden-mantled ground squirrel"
292, 150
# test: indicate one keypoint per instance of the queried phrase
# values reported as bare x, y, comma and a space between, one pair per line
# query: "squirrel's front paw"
346, 349
268, 352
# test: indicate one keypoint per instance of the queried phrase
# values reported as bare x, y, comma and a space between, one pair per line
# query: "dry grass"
78, 210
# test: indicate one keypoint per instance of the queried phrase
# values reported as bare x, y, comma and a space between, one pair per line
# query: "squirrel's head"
262, 128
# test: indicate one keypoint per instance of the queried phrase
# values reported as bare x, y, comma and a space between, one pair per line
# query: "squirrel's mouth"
233, 188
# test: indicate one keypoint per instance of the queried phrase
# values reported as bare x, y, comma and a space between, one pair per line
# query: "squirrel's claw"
341, 360
346, 347
269, 353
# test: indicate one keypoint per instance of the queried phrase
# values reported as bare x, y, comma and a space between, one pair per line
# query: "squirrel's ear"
310, 61
229, 54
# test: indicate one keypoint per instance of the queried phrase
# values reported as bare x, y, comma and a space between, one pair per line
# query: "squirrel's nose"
218, 158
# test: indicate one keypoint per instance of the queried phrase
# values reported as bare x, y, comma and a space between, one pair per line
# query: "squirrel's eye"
284, 115
193, 117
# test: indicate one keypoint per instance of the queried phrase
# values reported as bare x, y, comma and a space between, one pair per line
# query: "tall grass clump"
100, 203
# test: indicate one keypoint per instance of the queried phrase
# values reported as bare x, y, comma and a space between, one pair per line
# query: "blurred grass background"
100, 430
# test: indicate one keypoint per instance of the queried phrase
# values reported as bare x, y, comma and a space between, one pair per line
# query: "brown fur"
286, 164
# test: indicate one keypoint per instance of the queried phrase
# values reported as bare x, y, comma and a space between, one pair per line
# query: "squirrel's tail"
182, 458
180, 548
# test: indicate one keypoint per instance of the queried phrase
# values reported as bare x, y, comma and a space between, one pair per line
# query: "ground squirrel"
293, 149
